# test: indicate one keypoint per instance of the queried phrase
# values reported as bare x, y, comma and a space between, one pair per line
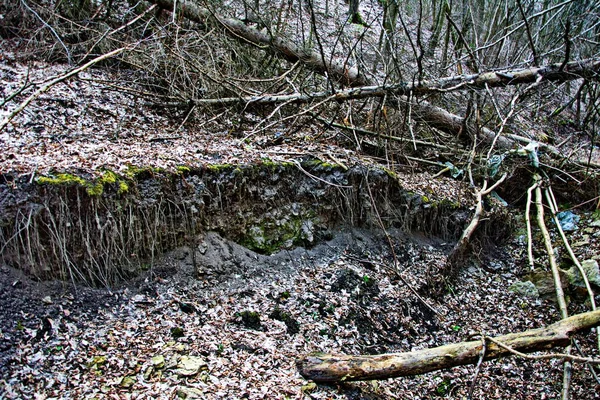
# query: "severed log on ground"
321, 367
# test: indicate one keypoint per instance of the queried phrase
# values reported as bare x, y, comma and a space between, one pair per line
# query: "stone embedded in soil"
190, 366
544, 282
526, 288
592, 271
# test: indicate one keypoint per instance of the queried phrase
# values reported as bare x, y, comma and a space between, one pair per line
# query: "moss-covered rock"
526, 288
251, 320
592, 271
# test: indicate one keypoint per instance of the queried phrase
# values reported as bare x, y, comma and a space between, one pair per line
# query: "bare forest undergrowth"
465, 102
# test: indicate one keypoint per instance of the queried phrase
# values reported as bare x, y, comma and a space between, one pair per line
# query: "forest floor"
183, 330
105, 119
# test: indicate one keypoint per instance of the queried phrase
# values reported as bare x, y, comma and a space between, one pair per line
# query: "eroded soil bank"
105, 229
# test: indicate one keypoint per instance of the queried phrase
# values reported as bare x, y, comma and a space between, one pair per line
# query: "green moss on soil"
136, 172
269, 236
220, 167
108, 177
316, 163
251, 320
93, 188
62, 179
390, 173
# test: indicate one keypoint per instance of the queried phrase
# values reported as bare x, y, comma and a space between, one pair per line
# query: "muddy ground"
223, 322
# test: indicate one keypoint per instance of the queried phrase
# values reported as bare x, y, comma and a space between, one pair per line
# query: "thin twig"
528, 224
554, 210
69, 59
560, 295
317, 178
478, 367
550, 356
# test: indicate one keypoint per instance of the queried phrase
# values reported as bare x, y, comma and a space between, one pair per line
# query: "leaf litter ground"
66, 342
235, 333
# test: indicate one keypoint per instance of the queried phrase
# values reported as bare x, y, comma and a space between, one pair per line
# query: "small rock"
568, 220
526, 288
47, 300
595, 223
544, 282
190, 366
592, 271
189, 393
473, 270
139, 298
202, 248
495, 265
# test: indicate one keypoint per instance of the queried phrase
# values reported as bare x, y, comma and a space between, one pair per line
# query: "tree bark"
321, 367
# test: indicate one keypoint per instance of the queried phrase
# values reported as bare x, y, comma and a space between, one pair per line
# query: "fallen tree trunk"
322, 367
335, 68
572, 70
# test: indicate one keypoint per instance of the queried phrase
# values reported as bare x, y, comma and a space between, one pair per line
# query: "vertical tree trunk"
353, 12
